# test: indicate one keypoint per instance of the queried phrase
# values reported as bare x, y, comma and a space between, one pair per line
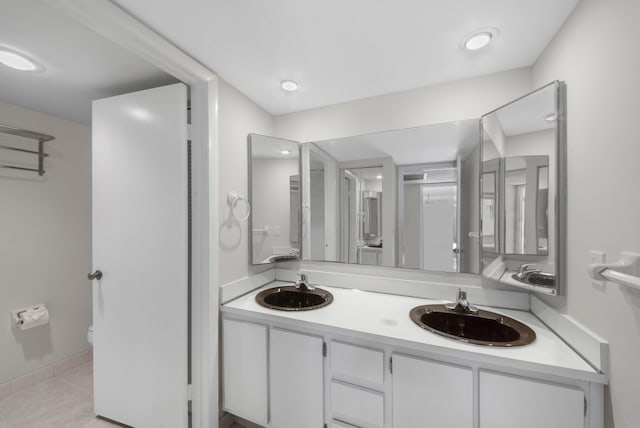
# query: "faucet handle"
461, 304
303, 282
525, 266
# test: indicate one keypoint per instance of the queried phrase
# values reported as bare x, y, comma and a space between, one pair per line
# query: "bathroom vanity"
484, 197
362, 362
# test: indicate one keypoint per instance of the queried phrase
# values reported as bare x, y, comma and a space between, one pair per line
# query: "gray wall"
597, 54
238, 116
45, 245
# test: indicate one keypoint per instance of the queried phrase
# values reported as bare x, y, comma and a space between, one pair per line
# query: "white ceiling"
339, 50
345, 50
422, 144
79, 65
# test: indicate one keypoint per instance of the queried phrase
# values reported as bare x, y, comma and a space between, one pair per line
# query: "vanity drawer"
356, 405
357, 364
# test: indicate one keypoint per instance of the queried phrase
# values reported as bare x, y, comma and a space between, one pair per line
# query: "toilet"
90, 335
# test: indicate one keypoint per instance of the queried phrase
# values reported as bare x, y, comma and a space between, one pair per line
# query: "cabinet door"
296, 391
509, 401
244, 370
430, 394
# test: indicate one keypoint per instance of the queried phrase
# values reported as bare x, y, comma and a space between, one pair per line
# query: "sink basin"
541, 279
290, 298
484, 328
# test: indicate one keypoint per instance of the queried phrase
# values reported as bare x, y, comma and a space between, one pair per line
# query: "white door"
296, 380
140, 305
438, 228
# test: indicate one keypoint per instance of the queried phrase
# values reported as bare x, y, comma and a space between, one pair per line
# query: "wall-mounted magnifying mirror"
524, 190
274, 168
405, 198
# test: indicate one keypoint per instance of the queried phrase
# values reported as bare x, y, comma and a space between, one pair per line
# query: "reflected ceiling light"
550, 117
480, 39
140, 113
379, 177
290, 85
285, 152
17, 61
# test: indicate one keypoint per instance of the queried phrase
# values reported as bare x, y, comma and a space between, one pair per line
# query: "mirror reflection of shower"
431, 193
361, 215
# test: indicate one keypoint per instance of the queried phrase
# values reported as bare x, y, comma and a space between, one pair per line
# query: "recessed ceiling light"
17, 61
480, 39
285, 152
290, 85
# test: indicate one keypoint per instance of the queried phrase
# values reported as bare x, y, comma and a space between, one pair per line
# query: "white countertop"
385, 318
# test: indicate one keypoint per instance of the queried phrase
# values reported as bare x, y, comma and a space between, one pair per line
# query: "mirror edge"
561, 190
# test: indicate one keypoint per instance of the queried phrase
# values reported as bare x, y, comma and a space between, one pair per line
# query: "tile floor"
63, 401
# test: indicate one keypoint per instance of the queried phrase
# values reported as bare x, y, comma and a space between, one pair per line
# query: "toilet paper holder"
18, 320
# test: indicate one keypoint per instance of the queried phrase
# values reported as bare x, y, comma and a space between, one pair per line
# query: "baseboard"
246, 424
226, 421
18, 384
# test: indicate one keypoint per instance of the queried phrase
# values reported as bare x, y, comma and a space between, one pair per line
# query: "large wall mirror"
524, 190
274, 194
460, 197
405, 198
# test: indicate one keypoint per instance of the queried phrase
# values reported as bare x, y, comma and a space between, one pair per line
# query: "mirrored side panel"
523, 190
275, 196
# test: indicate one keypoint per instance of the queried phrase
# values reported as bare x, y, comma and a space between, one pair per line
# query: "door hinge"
188, 392
324, 349
391, 365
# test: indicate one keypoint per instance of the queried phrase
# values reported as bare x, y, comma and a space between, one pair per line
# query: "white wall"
45, 245
238, 116
597, 54
464, 99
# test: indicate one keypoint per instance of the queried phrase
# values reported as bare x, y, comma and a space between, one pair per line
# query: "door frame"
123, 29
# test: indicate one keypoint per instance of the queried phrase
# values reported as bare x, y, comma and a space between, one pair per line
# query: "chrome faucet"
302, 283
461, 304
525, 268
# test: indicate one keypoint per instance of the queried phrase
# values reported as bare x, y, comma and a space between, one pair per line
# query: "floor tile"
64, 401
80, 377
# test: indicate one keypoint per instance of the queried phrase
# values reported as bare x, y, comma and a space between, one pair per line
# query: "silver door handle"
95, 275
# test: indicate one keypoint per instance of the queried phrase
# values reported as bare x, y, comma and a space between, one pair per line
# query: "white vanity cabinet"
296, 367
377, 369
431, 394
271, 376
511, 401
244, 370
